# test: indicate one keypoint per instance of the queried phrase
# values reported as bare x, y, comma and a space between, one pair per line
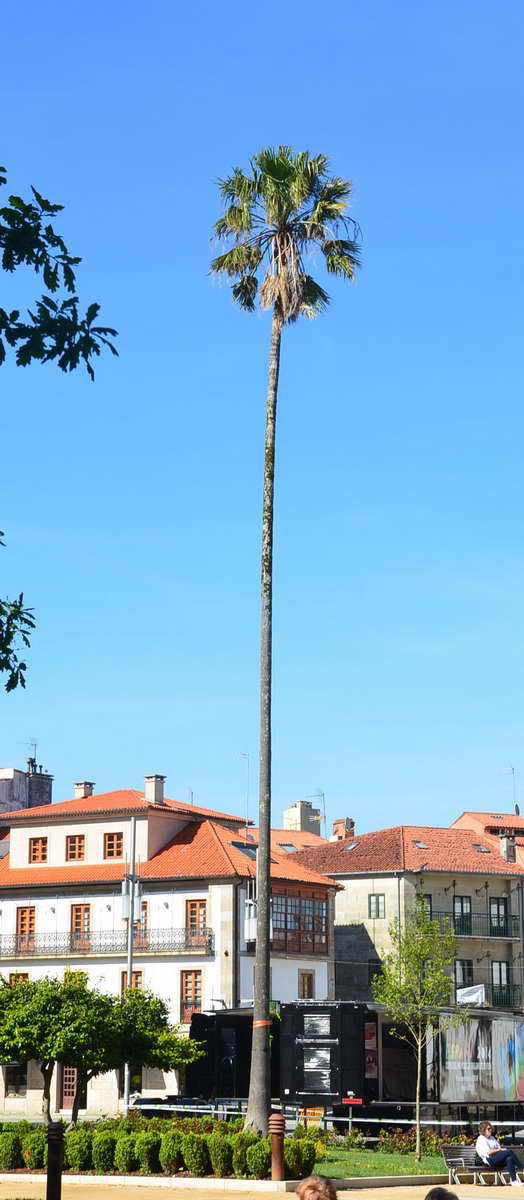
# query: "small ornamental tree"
65, 1021
414, 985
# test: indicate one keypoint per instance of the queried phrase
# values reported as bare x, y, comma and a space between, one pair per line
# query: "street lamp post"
130, 905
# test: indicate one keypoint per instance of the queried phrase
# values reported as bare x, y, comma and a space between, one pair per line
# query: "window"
80, 926
299, 923
190, 994
38, 850
196, 922
18, 977
352, 846
75, 847
462, 915
306, 985
287, 846
501, 985
136, 980
16, 1079
463, 972
113, 845
480, 848
376, 905
25, 928
498, 916
420, 845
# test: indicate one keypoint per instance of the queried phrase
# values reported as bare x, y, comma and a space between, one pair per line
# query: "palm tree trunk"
259, 1101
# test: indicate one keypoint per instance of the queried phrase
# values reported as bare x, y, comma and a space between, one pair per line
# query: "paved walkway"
25, 1188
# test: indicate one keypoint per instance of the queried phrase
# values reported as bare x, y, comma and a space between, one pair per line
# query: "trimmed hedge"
104, 1152
241, 1143
78, 1147
170, 1155
34, 1148
220, 1154
125, 1153
10, 1151
196, 1154
147, 1146
293, 1157
258, 1159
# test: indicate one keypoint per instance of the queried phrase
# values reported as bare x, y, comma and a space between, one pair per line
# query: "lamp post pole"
129, 884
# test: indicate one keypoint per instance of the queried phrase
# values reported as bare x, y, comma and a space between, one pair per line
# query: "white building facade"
61, 908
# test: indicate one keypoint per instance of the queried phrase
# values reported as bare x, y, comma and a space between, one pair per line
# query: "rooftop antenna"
510, 769
191, 795
245, 754
321, 796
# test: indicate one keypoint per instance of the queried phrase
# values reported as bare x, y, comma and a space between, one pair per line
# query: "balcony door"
462, 915
501, 984
498, 916
190, 994
196, 922
80, 926
25, 929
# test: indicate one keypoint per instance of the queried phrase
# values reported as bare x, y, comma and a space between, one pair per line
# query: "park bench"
464, 1160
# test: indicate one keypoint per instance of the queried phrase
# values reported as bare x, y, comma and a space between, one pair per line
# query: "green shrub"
293, 1157
356, 1140
240, 1143
33, 1148
125, 1153
196, 1154
10, 1151
78, 1144
309, 1155
170, 1155
299, 1131
220, 1154
258, 1158
147, 1146
103, 1151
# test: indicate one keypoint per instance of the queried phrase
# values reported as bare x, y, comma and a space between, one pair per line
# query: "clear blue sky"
131, 506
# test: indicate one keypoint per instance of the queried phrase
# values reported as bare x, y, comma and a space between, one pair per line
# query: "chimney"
302, 816
343, 827
154, 788
508, 848
83, 789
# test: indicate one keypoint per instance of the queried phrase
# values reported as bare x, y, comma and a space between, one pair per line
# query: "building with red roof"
471, 876
62, 870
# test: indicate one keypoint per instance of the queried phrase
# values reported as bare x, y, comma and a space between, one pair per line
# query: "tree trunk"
47, 1074
80, 1088
259, 1101
417, 1100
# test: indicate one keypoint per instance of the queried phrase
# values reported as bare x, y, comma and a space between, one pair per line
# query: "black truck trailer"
343, 1057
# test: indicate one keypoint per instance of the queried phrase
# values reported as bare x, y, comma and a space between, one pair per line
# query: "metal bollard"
277, 1126
55, 1160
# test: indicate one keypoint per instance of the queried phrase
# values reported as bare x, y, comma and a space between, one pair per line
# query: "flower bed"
196, 1147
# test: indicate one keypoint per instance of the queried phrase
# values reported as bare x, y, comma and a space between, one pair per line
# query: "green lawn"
347, 1164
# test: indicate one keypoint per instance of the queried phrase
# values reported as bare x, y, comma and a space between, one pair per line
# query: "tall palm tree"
274, 217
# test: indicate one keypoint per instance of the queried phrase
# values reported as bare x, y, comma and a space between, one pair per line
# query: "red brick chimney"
343, 827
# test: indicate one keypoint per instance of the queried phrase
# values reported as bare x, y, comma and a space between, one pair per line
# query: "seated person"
490, 1151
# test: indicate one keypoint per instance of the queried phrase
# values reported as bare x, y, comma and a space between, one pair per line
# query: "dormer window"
113, 845
38, 850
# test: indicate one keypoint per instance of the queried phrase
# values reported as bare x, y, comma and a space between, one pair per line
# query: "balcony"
479, 925
145, 941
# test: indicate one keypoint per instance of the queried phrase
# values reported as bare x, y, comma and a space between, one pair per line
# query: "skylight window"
249, 851
421, 845
352, 846
480, 848
287, 846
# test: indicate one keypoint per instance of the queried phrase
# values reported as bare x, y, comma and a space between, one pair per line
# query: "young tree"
277, 215
414, 985
66, 1021
54, 331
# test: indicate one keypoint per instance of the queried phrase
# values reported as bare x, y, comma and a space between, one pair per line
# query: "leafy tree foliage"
54, 330
65, 1021
15, 625
414, 984
276, 216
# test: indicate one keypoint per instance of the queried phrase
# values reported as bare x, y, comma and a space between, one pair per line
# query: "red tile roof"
489, 820
394, 849
203, 849
123, 800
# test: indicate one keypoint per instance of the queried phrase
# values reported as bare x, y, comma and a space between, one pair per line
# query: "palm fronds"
276, 216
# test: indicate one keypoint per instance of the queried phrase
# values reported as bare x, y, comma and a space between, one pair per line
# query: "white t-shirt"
484, 1144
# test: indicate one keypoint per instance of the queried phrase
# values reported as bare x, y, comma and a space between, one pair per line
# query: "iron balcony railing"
145, 941
479, 924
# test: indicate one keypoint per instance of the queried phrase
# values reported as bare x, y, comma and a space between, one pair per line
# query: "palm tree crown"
276, 216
